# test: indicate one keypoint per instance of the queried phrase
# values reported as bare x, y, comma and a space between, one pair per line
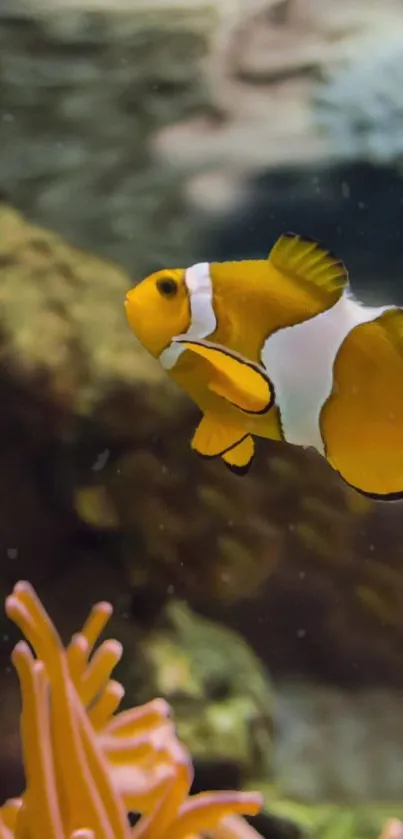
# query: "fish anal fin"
239, 458
306, 261
241, 382
213, 437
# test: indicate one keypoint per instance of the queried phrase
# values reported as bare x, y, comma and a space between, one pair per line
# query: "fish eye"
167, 287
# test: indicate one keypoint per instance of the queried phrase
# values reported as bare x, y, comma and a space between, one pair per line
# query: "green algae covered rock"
325, 821
219, 690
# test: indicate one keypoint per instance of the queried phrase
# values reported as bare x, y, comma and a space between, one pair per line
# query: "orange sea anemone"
88, 766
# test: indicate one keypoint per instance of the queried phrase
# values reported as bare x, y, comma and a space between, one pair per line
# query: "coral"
88, 766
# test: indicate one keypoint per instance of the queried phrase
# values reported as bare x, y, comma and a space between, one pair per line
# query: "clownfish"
280, 348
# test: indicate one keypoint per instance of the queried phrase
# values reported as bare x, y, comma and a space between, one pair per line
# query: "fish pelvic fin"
214, 438
305, 260
239, 381
239, 459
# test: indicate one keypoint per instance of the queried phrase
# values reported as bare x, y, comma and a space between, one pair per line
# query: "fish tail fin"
392, 322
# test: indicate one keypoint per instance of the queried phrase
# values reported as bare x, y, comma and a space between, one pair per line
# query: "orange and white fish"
280, 348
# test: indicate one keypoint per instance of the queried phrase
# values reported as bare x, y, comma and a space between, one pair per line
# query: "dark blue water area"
354, 210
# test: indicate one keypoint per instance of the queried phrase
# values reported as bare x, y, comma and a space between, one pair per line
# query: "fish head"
158, 308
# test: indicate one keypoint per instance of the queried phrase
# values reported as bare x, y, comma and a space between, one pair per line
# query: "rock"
102, 442
103, 78
218, 689
291, 87
143, 109
72, 368
61, 334
327, 820
109, 405
100, 487
338, 746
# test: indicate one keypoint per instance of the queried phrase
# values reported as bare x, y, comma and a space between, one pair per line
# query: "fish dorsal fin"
236, 379
306, 261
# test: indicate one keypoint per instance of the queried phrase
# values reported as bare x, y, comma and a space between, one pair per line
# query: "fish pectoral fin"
239, 458
236, 379
307, 261
213, 437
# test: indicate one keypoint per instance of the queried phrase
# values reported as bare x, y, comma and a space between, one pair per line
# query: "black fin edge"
240, 471
387, 497
220, 454
258, 369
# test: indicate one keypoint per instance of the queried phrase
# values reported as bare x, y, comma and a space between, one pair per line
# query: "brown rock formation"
125, 429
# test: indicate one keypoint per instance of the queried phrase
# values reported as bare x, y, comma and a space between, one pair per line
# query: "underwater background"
268, 610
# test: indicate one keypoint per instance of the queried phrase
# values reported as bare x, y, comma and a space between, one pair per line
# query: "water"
267, 610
